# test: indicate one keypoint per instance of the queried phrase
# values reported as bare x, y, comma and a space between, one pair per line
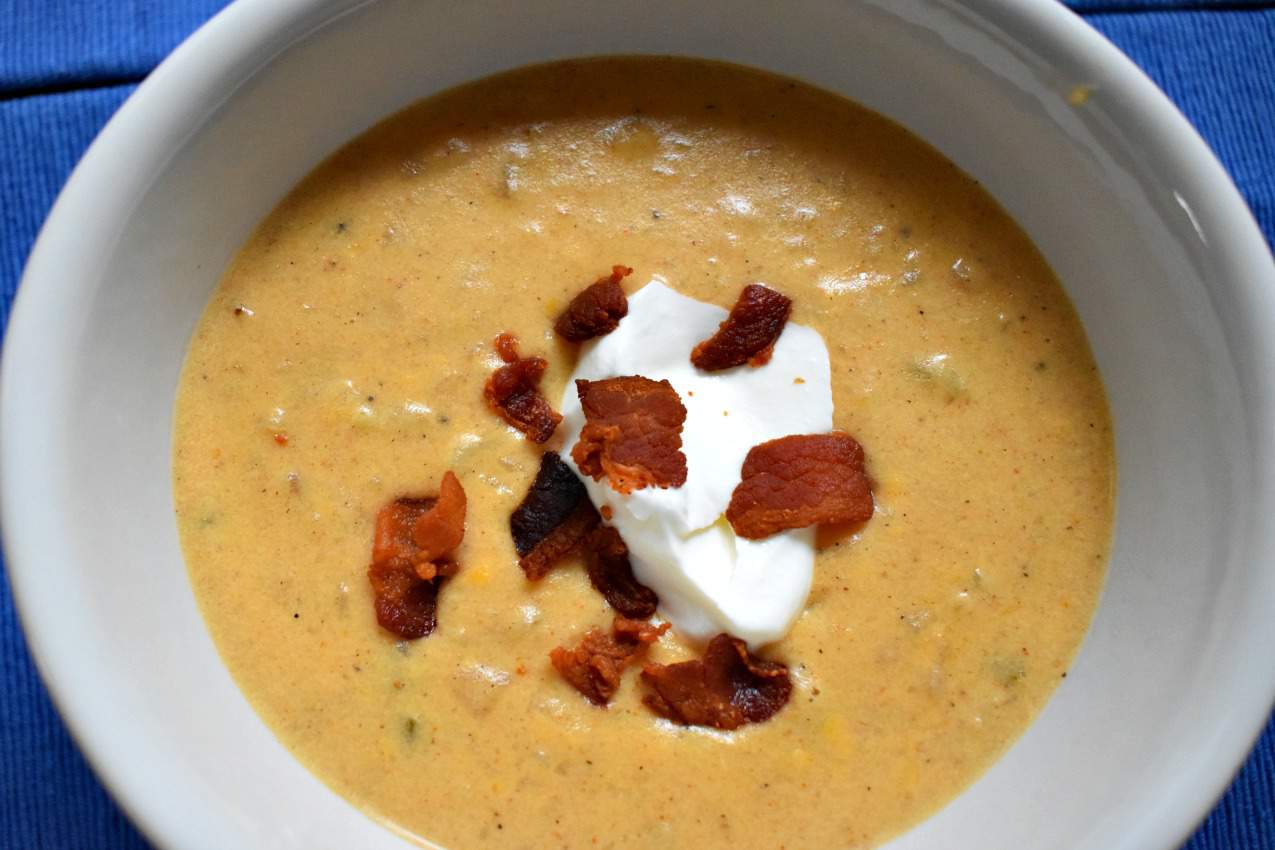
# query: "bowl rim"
230, 45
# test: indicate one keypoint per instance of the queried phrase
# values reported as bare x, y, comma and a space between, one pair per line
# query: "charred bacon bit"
507, 347
553, 519
638, 631
632, 433
394, 525
596, 310
440, 529
748, 335
405, 575
595, 666
556, 518
728, 688
405, 604
611, 574
513, 391
798, 481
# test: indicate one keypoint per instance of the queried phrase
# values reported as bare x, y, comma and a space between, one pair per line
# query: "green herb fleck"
1008, 670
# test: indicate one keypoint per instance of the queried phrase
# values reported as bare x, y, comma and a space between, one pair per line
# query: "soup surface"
340, 364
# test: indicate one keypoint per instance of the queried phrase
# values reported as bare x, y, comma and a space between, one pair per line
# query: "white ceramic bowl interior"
1167, 269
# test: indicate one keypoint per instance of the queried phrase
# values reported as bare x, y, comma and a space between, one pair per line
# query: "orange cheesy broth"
369, 299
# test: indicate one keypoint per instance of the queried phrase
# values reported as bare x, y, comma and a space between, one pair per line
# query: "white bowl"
1152, 241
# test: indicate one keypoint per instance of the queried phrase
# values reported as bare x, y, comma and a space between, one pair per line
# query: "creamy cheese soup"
341, 362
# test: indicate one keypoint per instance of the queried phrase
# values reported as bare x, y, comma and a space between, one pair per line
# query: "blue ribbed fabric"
41, 139
1219, 68
1091, 7
63, 43
66, 65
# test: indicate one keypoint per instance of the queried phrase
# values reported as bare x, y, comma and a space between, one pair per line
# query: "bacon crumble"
725, 690
611, 574
554, 518
595, 666
596, 310
748, 335
632, 433
513, 391
406, 574
405, 604
800, 480
439, 530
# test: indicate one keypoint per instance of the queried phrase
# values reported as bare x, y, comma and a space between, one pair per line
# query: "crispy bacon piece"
748, 335
405, 604
506, 346
728, 688
394, 525
554, 517
513, 391
596, 310
639, 631
406, 575
611, 574
595, 666
632, 433
798, 481
440, 529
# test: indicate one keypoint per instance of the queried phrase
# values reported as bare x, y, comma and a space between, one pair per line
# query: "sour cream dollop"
708, 579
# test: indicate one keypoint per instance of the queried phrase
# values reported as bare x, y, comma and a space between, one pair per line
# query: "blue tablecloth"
66, 65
